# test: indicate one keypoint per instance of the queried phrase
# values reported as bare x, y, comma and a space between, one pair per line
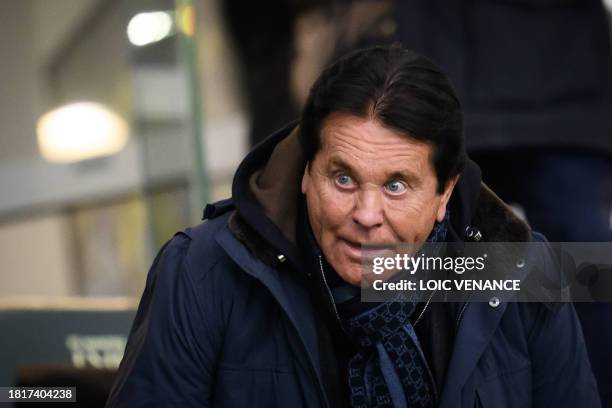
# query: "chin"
350, 272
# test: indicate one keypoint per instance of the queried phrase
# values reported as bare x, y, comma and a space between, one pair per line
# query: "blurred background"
121, 119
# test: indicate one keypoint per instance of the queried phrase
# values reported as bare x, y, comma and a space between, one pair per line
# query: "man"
259, 306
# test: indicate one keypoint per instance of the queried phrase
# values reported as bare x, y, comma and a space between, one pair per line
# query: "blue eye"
344, 180
395, 187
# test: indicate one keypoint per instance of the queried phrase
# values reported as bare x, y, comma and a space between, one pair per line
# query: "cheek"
333, 207
413, 221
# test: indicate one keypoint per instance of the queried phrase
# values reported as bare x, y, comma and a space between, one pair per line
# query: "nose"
368, 211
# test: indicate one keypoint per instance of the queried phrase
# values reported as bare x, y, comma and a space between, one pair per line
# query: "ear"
446, 194
306, 178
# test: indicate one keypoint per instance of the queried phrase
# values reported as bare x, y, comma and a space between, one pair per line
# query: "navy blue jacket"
227, 322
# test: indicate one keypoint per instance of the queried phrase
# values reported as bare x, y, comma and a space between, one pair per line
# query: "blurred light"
147, 28
186, 21
608, 4
80, 131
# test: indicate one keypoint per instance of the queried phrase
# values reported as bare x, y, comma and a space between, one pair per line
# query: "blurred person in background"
263, 36
535, 78
261, 304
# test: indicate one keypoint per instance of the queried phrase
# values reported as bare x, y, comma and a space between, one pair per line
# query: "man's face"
369, 185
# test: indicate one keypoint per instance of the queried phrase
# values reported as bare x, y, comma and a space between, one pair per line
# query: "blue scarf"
390, 369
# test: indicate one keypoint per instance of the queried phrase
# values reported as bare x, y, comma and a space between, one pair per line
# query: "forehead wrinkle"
361, 130
383, 171
347, 141
360, 140
376, 148
404, 158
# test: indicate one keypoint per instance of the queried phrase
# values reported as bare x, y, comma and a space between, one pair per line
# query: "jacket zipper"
331, 297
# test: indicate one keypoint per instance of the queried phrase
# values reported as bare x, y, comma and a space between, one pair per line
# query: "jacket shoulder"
203, 253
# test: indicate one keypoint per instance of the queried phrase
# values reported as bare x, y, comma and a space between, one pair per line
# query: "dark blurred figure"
284, 44
263, 34
535, 79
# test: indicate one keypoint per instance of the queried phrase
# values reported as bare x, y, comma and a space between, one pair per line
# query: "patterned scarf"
390, 369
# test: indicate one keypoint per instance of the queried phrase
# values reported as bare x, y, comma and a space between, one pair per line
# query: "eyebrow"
407, 176
337, 162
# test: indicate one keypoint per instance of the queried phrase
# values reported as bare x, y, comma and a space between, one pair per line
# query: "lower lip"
354, 251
